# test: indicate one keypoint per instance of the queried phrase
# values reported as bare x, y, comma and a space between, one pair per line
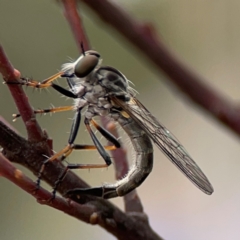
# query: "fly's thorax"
98, 102
113, 80
114, 115
80, 103
80, 90
95, 110
94, 93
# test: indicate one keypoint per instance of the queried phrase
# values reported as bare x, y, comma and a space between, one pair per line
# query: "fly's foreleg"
45, 84
36, 84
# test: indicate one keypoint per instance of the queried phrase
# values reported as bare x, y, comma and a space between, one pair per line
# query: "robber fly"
105, 91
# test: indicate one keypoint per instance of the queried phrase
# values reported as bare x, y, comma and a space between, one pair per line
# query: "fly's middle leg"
47, 110
72, 146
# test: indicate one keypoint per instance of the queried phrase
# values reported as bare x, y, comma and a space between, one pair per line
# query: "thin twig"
75, 22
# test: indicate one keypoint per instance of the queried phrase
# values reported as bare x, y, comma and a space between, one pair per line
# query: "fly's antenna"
82, 48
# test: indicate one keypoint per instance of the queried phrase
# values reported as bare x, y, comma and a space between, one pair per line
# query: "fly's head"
85, 72
83, 66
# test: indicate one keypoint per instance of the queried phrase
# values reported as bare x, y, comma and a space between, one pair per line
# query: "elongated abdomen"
143, 162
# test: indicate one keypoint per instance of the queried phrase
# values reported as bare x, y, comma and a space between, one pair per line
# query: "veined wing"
166, 142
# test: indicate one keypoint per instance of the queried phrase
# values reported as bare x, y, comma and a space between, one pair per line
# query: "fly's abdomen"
143, 162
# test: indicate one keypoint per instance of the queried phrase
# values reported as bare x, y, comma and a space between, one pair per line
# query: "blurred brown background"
204, 34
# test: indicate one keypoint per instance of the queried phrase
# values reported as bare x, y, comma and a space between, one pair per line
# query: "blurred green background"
205, 35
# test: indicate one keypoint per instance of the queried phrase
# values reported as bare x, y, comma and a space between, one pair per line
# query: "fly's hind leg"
105, 192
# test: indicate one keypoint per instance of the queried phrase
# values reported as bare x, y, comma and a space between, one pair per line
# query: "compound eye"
86, 65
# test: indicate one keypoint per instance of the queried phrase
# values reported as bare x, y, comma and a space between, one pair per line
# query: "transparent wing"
166, 142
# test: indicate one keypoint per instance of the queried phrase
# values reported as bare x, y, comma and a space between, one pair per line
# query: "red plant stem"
6, 68
10, 74
75, 22
95, 212
146, 40
17, 177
